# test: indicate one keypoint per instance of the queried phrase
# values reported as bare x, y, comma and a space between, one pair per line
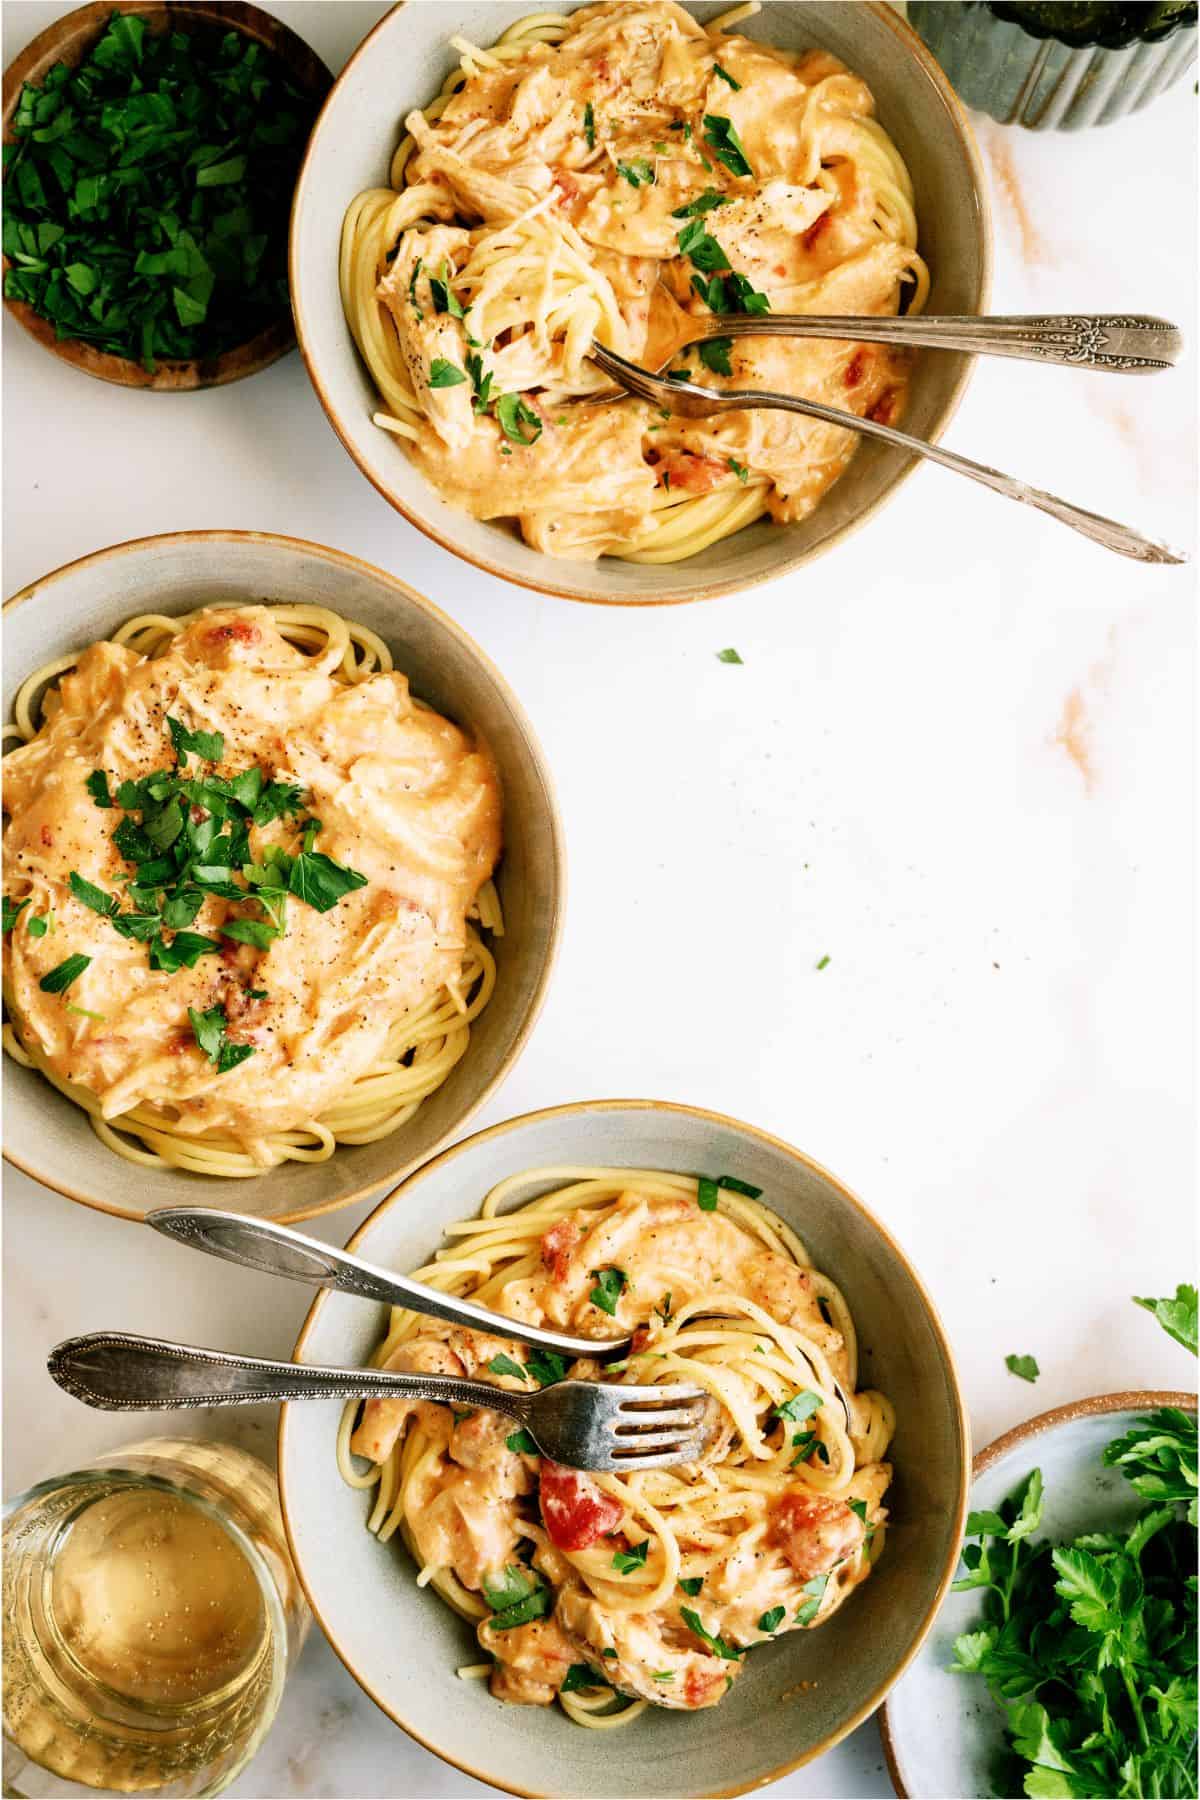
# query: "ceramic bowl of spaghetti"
282, 876
482, 200
644, 1633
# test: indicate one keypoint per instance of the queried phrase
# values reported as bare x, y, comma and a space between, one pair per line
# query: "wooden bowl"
403, 63
68, 41
48, 1136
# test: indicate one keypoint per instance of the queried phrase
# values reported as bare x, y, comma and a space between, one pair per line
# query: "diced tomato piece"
691, 474
886, 407
575, 1511
856, 368
815, 1532
641, 1338
818, 229
557, 1245
240, 629
704, 1687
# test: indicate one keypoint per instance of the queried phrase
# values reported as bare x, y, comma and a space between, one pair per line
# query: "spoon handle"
1108, 532
278, 1250
1125, 344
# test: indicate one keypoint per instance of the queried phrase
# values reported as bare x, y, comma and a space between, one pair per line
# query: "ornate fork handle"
1108, 532
1125, 344
120, 1372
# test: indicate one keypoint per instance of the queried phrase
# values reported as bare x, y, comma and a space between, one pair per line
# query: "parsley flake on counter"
1176, 1315
824, 962
60, 978
148, 191
1024, 1366
610, 1284
728, 656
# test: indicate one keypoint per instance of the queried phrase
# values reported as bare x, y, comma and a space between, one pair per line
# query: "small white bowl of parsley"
150, 157
1064, 1661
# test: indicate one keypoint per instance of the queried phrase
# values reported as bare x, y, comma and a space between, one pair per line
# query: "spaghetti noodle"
614, 1592
345, 1006
606, 175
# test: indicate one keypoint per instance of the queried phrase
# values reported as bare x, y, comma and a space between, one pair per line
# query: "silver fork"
584, 1424
686, 399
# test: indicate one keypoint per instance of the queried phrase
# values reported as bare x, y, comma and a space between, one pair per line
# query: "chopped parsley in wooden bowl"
150, 152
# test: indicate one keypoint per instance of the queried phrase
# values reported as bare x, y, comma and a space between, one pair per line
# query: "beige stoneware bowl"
49, 1137
800, 1695
402, 65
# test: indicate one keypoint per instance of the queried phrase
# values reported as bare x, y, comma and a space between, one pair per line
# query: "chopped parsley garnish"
727, 78
723, 140
97, 787
83, 1013
582, 1675
638, 173
1175, 1313
60, 978
706, 1193
1024, 1366
517, 418
625, 1561
703, 248
191, 841
714, 354
146, 201
800, 1407
37, 928
663, 1309
208, 1029
807, 1612
504, 1365
610, 1284
717, 1644
546, 1367
771, 1621
481, 383
12, 912
859, 1509
444, 298
521, 1443
803, 1445
257, 994
703, 203
515, 1598
731, 1182
443, 374
692, 1584
743, 475
663, 1675
608, 1652
824, 962
589, 126
412, 288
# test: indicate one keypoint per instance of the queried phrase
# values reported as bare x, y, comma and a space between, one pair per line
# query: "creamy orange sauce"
403, 796
588, 149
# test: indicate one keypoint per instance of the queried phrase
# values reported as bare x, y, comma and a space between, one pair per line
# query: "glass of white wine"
151, 1615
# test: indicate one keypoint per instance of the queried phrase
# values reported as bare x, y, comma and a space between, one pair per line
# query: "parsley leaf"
625, 1561
609, 1286
723, 140
717, 1644
808, 1609
208, 1029
714, 354
706, 1193
444, 298
727, 78
97, 786
800, 1407
589, 126
692, 1584
703, 203
772, 1620
1024, 1366
92, 896
321, 882
638, 173
1177, 1316
60, 978
12, 912
546, 1367
504, 1365
209, 746
443, 374
582, 1675
521, 1443
515, 417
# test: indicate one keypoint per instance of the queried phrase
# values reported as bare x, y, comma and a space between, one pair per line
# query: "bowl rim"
907, 42
577, 1109
356, 565
1090, 1407
179, 374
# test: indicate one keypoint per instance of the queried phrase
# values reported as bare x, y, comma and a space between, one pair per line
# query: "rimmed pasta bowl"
465, 1049
797, 1695
402, 66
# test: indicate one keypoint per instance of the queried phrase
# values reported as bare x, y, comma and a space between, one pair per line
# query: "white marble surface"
957, 761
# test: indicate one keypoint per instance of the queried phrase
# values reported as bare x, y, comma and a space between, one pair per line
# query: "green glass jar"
1058, 66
